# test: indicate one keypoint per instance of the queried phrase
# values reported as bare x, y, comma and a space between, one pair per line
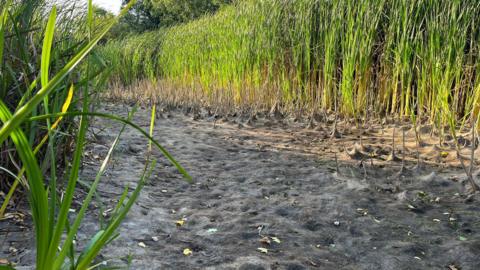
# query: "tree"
151, 14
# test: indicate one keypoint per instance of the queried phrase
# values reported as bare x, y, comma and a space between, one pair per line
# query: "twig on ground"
392, 156
468, 171
336, 164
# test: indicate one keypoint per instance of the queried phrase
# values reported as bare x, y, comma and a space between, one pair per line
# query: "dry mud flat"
262, 200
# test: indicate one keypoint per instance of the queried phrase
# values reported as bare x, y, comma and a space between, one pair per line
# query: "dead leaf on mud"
212, 230
453, 267
263, 250
312, 262
4, 261
462, 238
276, 240
362, 211
142, 245
18, 217
187, 252
265, 240
180, 222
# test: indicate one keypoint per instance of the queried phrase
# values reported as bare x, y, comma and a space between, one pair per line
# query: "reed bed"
408, 58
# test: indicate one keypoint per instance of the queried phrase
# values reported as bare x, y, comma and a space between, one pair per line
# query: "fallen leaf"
180, 222
155, 238
142, 245
263, 250
312, 262
444, 154
4, 261
212, 230
436, 220
276, 240
187, 252
418, 258
462, 238
453, 267
265, 240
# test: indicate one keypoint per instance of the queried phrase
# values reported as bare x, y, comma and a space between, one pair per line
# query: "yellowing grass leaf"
65, 106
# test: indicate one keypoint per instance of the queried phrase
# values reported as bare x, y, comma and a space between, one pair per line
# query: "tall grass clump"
43, 62
406, 58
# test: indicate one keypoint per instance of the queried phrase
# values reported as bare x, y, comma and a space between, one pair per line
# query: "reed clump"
408, 58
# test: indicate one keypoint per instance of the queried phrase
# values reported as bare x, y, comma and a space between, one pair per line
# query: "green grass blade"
38, 195
29, 106
164, 151
68, 241
3, 21
47, 46
110, 230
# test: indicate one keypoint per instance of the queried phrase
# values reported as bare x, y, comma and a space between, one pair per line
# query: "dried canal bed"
264, 198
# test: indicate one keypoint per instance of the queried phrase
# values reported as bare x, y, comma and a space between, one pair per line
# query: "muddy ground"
267, 195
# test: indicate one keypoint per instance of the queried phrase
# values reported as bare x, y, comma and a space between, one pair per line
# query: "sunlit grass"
404, 58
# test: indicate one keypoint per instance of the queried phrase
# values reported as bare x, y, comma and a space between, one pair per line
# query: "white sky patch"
110, 5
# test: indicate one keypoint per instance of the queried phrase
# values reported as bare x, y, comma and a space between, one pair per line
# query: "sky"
110, 5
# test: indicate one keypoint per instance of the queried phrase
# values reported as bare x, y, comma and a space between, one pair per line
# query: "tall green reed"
404, 58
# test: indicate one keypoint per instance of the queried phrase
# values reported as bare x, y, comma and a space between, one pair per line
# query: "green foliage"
55, 227
408, 58
152, 14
